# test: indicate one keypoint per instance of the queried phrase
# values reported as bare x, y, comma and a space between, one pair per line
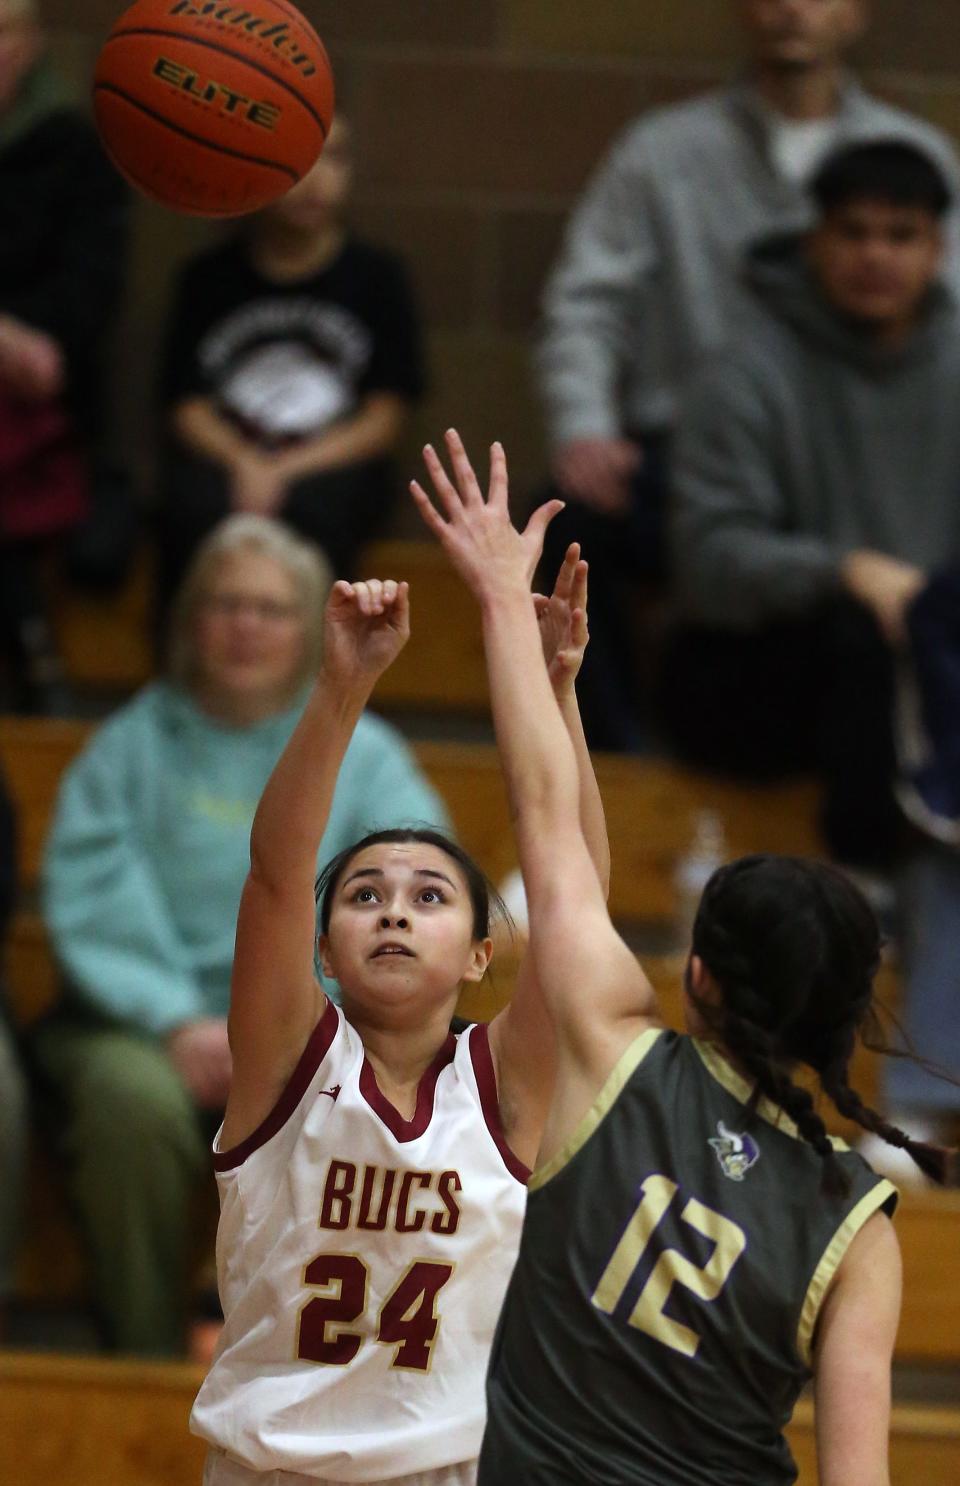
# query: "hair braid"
793, 948
756, 1050
934, 1161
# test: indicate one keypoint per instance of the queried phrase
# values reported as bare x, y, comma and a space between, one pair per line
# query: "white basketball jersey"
362, 1261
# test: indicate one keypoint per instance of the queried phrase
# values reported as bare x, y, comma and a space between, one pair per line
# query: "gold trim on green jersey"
601, 1107
735, 1084
829, 1264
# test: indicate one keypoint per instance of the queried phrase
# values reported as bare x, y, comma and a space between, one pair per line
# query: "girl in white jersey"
371, 1165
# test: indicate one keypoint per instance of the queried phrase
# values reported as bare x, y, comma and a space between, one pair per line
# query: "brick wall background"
478, 122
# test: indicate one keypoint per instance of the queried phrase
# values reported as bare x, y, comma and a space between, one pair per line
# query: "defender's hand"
366, 625
563, 622
477, 535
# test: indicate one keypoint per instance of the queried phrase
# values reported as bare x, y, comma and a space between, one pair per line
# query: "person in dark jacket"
816, 480
13, 1097
63, 212
815, 501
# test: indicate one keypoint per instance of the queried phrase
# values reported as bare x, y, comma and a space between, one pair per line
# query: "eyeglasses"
232, 605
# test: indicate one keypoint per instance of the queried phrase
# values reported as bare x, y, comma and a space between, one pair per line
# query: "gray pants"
13, 1143
137, 1149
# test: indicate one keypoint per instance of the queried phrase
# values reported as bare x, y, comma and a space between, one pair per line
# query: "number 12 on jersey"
671, 1268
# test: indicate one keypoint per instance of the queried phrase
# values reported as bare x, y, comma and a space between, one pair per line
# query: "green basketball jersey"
658, 1327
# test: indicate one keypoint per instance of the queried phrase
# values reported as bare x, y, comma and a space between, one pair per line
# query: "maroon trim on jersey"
399, 1127
485, 1074
312, 1056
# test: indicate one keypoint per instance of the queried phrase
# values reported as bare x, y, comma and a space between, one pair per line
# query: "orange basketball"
211, 108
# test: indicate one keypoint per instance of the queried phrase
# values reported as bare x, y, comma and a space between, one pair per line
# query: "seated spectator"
13, 1101
648, 285
62, 240
292, 360
817, 484
817, 475
144, 868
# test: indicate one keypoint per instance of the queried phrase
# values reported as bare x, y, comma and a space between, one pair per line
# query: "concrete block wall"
478, 123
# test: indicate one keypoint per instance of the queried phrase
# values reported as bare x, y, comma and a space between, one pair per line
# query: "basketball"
210, 108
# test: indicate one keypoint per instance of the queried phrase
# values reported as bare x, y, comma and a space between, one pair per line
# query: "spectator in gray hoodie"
817, 487
647, 285
817, 481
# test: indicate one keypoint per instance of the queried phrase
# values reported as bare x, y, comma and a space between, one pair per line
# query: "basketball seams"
222, 51
220, 149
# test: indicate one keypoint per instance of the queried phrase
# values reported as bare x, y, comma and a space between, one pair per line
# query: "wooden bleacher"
87, 1422
652, 809
107, 641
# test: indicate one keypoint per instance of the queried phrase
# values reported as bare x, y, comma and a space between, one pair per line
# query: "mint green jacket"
149, 848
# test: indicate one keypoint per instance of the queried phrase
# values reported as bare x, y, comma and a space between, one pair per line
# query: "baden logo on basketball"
278, 33
230, 102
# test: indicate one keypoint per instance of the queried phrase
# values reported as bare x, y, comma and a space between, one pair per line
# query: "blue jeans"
931, 1013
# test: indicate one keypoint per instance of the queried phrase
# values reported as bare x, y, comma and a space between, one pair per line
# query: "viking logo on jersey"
736, 1153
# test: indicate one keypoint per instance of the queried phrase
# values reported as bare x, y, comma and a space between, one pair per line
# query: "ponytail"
793, 947
934, 1161
756, 1051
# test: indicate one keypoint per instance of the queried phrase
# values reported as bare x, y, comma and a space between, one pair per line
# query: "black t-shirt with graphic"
287, 360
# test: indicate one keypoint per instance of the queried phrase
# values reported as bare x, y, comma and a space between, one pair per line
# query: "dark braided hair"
794, 947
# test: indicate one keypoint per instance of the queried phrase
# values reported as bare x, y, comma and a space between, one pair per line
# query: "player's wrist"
346, 686
502, 595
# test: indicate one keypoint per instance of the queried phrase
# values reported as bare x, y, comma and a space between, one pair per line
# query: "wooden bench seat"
126, 1423
652, 808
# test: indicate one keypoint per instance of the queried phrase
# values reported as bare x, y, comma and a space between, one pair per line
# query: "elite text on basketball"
230, 102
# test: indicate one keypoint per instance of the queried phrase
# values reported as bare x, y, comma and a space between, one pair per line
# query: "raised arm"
564, 636
522, 1038
590, 979
274, 998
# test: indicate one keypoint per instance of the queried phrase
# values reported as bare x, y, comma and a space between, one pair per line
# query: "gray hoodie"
804, 441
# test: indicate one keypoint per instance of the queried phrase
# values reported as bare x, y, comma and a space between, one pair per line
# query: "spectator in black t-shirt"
292, 359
